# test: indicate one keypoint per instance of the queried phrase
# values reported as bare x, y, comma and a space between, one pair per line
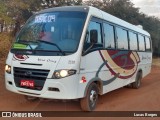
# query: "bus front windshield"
52, 32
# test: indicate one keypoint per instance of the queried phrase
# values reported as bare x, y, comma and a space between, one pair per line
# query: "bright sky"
149, 7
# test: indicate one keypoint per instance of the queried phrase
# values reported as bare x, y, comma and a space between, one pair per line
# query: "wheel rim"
93, 98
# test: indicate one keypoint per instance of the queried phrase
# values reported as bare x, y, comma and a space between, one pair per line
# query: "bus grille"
36, 75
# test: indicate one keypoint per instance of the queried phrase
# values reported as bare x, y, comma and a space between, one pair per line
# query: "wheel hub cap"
93, 97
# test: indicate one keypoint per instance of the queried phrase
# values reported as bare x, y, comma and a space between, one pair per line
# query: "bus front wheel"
89, 102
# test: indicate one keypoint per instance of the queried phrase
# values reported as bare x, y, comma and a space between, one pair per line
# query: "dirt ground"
147, 98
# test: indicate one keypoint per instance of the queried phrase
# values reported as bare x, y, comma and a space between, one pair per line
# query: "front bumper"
67, 88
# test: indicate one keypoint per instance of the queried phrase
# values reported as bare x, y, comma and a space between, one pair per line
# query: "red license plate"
27, 83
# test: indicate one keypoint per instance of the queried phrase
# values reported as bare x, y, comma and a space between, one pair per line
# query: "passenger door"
91, 59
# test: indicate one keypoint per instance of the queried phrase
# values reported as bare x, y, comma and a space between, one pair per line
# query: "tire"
89, 102
30, 98
137, 83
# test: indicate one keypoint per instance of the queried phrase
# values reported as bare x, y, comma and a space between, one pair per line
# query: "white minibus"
77, 52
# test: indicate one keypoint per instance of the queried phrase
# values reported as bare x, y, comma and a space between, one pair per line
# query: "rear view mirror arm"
88, 49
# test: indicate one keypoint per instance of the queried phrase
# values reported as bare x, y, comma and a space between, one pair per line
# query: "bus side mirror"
93, 40
93, 36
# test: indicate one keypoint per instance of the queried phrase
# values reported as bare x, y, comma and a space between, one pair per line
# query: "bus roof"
110, 18
100, 14
66, 8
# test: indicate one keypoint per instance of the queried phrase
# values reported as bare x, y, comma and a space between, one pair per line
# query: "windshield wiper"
63, 53
24, 43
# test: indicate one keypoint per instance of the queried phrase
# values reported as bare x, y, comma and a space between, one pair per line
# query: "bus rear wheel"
89, 102
137, 83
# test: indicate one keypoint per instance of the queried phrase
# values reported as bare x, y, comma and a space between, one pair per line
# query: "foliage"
20, 10
5, 43
56, 3
3, 13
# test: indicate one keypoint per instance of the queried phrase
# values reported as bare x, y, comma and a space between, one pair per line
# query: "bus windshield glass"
51, 32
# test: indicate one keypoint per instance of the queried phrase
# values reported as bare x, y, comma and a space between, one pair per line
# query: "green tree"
56, 3
3, 13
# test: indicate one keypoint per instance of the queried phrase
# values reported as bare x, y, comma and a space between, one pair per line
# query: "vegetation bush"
5, 43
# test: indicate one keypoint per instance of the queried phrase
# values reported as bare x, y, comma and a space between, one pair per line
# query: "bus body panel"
107, 72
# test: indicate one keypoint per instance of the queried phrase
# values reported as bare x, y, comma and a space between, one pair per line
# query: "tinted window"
141, 43
95, 26
122, 39
109, 36
133, 41
148, 44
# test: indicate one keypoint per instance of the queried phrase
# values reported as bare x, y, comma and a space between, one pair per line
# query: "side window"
122, 38
148, 44
141, 43
87, 44
133, 41
95, 26
109, 36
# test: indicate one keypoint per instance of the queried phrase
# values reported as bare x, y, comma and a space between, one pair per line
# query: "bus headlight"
8, 69
63, 73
